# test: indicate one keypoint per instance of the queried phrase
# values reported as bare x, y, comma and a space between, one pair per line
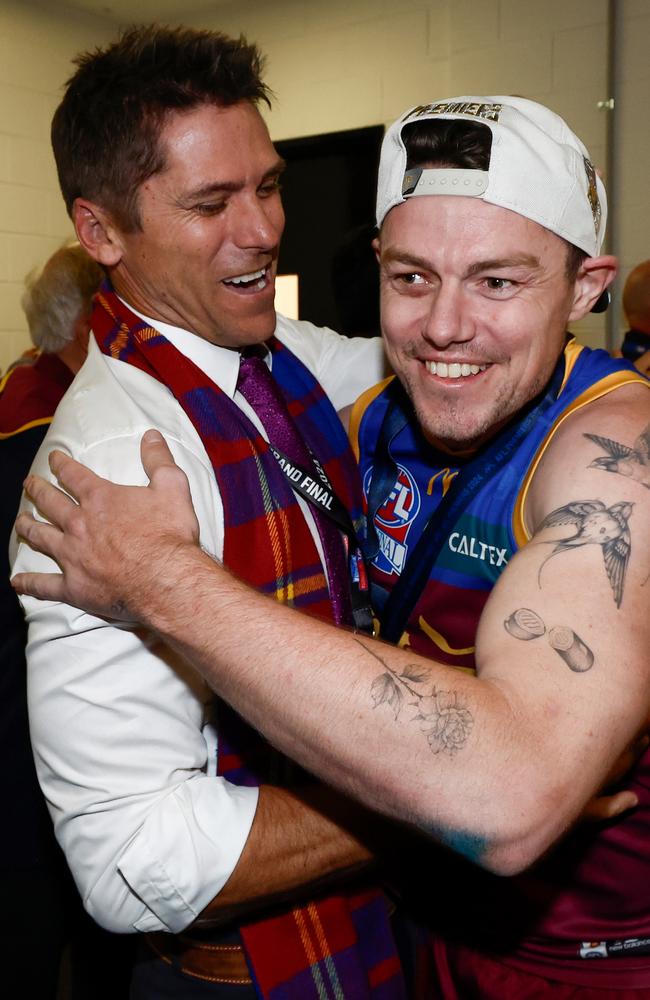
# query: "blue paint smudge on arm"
471, 845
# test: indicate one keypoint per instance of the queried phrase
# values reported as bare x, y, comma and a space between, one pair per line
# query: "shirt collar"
220, 364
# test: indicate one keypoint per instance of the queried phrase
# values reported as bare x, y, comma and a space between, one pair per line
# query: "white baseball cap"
538, 168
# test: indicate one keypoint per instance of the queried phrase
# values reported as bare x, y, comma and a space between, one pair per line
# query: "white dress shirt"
120, 725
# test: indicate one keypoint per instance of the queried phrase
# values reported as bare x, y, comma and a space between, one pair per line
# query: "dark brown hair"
444, 143
106, 131
466, 145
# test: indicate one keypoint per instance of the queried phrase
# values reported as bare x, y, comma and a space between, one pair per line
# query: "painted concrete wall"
349, 63
340, 64
36, 46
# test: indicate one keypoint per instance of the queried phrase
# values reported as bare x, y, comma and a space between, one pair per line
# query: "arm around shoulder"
498, 766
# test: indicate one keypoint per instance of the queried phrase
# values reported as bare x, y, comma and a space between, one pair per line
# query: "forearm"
347, 708
300, 842
497, 765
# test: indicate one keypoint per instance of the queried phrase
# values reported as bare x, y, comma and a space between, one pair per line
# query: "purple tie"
260, 389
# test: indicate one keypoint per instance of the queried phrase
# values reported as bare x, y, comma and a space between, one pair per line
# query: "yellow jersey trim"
441, 642
602, 388
26, 427
358, 410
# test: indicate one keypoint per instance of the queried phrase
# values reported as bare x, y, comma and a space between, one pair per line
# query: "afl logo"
402, 504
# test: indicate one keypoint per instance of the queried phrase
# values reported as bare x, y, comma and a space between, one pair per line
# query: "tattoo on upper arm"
443, 719
634, 462
596, 524
575, 653
525, 624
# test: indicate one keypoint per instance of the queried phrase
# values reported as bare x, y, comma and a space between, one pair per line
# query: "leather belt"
215, 963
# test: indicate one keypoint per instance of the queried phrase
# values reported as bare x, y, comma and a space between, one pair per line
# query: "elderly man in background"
506, 479
57, 302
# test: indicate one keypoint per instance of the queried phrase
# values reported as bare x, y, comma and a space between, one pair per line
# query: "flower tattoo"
446, 724
444, 721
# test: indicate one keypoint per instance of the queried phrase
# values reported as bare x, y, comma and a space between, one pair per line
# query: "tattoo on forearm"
634, 462
596, 524
443, 719
525, 625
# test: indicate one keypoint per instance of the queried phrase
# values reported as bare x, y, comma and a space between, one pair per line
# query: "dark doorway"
329, 198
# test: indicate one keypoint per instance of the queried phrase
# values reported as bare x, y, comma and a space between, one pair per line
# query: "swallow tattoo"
632, 462
597, 525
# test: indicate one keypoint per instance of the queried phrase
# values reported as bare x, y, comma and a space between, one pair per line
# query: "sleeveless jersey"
590, 898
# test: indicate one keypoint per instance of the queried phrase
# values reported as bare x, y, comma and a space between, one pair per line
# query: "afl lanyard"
315, 487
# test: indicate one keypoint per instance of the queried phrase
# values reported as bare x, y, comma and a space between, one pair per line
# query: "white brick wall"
632, 192
348, 63
36, 46
337, 64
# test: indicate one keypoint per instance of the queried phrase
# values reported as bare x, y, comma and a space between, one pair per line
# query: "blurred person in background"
636, 306
40, 902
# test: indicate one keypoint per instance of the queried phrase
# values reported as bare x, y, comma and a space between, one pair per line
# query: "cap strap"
445, 180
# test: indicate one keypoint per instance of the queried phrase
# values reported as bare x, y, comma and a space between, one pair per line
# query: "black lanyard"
315, 487
474, 474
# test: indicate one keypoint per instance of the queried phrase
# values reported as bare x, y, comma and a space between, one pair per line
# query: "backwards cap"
538, 168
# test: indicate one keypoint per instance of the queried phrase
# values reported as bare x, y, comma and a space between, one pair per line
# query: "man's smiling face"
475, 302
205, 256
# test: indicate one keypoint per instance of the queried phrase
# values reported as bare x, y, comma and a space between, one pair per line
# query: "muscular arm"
498, 765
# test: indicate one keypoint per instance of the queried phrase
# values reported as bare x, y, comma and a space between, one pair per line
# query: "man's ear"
595, 275
97, 233
376, 247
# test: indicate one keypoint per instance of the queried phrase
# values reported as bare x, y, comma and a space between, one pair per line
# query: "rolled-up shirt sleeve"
118, 725
117, 733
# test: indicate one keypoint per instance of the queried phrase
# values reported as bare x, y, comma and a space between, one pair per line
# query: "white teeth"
241, 278
453, 370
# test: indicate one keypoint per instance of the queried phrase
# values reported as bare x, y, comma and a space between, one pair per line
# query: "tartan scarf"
267, 541
340, 947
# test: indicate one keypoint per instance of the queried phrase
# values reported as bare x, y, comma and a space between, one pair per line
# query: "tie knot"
253, 370
254, 351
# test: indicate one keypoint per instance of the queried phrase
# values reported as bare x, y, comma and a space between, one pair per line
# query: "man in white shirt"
172, 182
521, 458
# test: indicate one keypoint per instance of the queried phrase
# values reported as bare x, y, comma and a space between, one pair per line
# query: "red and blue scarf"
341, 947
267, 541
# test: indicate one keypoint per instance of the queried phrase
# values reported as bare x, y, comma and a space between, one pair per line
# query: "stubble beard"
449, 424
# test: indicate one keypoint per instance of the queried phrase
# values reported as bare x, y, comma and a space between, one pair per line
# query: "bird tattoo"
597, 525
632, 462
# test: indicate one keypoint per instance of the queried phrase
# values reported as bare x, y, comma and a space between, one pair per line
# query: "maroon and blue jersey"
590, 898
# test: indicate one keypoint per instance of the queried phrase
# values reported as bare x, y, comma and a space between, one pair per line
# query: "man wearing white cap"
506, 477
